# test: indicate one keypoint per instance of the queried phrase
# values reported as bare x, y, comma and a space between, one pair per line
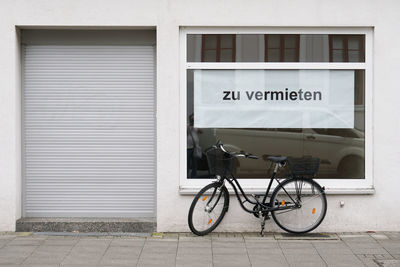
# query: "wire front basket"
303, 167
219, 162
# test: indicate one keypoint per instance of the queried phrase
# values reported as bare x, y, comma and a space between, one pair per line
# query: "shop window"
218, 48
289, 68
282, 47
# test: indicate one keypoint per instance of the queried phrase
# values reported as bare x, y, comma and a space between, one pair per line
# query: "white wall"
361, 212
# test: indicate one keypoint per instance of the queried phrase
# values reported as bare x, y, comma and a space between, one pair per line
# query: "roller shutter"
89, 131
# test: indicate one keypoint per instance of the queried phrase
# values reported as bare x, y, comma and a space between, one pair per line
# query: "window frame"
333, 186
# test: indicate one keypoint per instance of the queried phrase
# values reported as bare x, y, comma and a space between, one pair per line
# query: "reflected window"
275, 48
218, 48
282, 47
346, 48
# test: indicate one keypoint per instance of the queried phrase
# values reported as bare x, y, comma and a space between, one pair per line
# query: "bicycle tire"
311, 215
209, 222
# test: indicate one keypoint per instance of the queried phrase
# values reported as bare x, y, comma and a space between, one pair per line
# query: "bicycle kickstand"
262, 218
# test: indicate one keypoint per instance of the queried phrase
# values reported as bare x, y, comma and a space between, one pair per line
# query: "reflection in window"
341, 150
218, 48
282, 47
275, 48
346, 48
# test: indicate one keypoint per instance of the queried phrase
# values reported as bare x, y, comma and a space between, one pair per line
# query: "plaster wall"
361, 212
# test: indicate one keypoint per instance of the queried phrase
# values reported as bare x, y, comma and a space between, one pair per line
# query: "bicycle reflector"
313, 210
204, 198
283, 202
209, 221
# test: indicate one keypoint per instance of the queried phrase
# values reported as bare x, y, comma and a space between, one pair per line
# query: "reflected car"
341, 150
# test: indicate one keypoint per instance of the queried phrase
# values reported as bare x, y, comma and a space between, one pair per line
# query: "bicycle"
297, 204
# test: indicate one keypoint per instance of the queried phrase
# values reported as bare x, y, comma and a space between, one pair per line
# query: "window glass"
275, 48
226, 55
290, 55
274, 55
210, 55
341, 150
210, 41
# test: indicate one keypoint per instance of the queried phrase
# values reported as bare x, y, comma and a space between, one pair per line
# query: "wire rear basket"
219, 162
303, 167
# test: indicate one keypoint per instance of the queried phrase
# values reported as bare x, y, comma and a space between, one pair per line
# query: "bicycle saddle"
277, 159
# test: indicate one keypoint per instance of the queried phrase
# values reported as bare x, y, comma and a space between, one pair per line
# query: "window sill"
191, 190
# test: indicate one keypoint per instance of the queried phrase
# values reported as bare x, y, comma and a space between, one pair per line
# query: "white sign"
274, 98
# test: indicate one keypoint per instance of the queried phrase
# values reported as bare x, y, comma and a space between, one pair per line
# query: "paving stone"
268, 260
300, 259
158, 249
265, 244
328, 244
82, 258
191, 237
4, 242
17, 251
127, 242
190, 250
221, 244
124, 252
91, 255
26, 242
158, 243
48, 255
61, 242
368, 262
306, 251
393, 235
7, 236
393, 247
389, 263
335, 251
93, 242
121, 256
194, 260
231, 260
11, 260
266, 251
227, 238
185, 244
342, 260
379, 236
157, 259
227, 250
256, 236
295, 244
369, 251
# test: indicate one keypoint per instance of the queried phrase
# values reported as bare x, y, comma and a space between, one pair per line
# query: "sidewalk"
347, 249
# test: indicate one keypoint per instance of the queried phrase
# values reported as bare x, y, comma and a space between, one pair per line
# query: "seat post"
276, 167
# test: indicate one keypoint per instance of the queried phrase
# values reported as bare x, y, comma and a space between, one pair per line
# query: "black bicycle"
297, 204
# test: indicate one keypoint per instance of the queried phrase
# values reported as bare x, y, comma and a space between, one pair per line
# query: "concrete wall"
361, 212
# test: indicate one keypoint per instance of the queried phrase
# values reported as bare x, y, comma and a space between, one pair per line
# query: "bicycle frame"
266, 207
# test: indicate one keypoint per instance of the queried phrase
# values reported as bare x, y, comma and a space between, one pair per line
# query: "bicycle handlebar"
220, 145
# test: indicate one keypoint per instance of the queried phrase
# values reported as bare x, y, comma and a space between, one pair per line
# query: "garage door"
89, 131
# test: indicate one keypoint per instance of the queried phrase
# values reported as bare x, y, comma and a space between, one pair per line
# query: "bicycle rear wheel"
208, 209
303, 205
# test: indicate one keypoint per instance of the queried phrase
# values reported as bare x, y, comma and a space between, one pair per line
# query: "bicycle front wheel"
208, 208
301, 205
